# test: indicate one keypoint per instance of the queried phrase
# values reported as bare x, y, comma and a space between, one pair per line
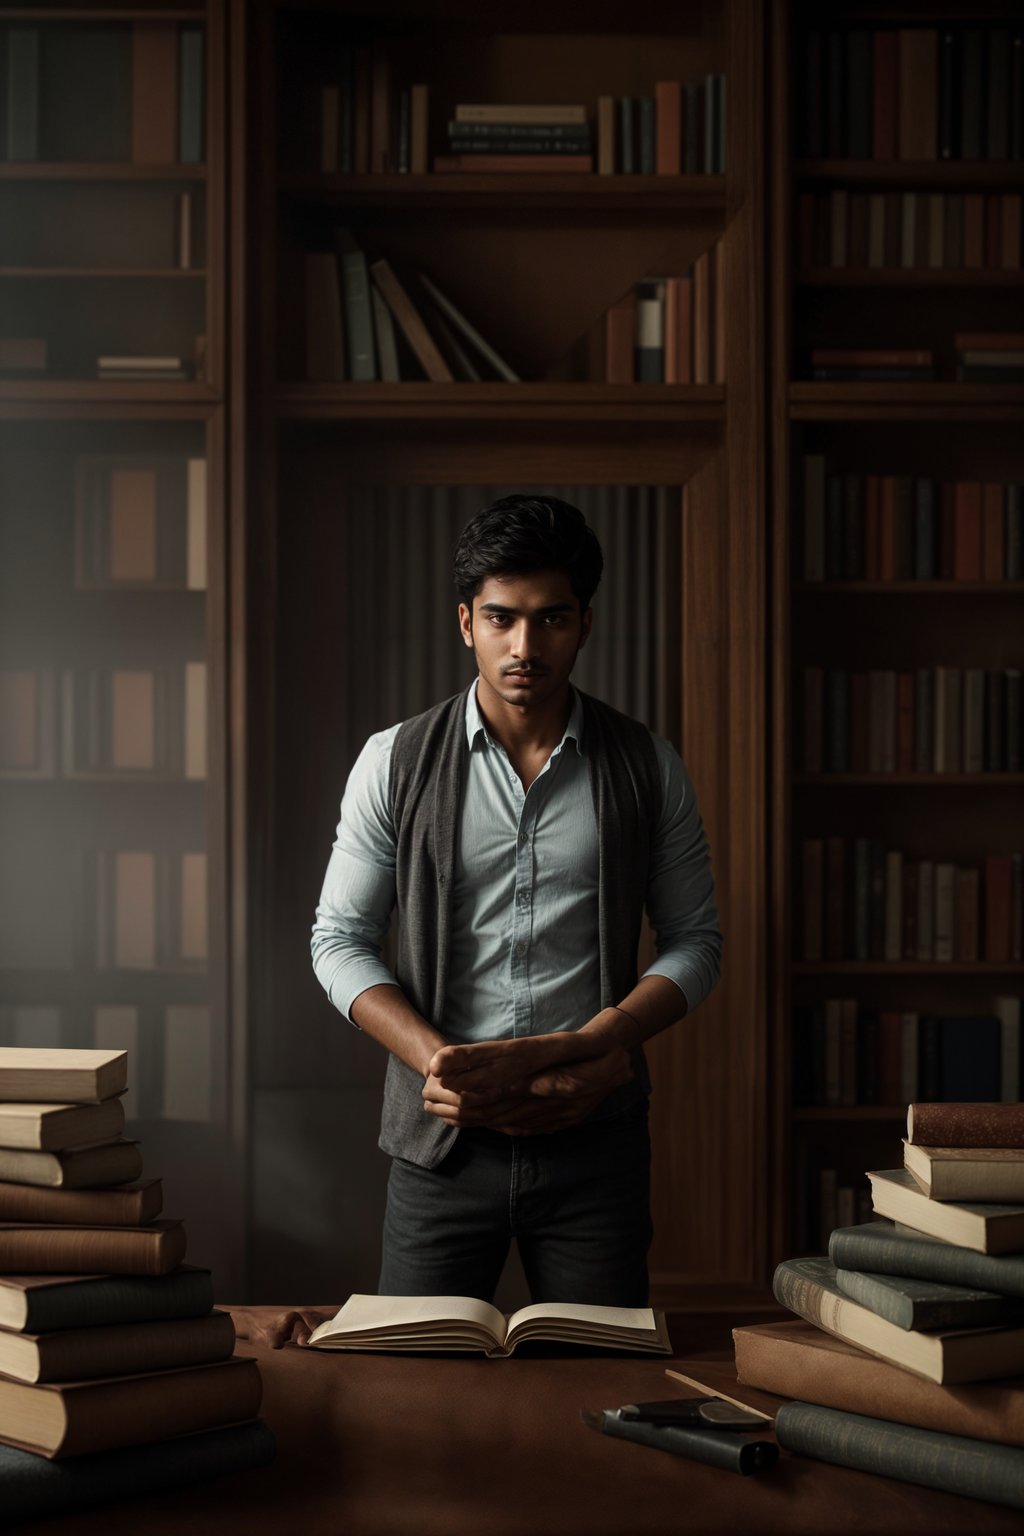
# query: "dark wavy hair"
517, 534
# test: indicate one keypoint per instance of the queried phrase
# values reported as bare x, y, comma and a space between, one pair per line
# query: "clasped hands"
531, 1085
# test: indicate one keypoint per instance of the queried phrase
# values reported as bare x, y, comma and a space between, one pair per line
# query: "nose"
524, 642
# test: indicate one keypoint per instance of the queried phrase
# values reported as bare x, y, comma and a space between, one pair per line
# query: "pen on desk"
718, 1447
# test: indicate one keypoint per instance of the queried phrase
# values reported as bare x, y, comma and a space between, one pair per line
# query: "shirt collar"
475, 726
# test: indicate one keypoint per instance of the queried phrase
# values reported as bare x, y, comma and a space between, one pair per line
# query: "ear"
466, 624
585, 624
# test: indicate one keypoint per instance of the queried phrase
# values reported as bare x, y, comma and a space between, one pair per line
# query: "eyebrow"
515, 612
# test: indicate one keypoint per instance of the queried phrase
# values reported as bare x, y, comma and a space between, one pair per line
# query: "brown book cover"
484, 164
835, 898
813, 894
113, 1162
620, 341
966, 1125
814, 718
998, 901
702, 319
967, 890
133, 722
947, 529
30, 1248
872, 527
993, 232
797, 1360
805, 231
19, 720
992, 533
905, 722
381, 156
129, 1205
133, 524
967, 530
989, 341
684, 322
51, 1075
59, 1127
119, 1349
872, 357
361, 112
918, 93
885, 99
718, 298
668, 100
974, 230
671, 332
325, 336
58, 1419
154, 93
887, 528
419, 115
410, 322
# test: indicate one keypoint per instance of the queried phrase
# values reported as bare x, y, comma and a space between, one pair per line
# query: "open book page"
392, 1317
583, 1324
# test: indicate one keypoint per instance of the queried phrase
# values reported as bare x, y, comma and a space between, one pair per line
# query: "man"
520, 829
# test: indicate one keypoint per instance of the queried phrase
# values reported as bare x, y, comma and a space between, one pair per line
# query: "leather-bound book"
121, 1349
966, 1125
53, 1076
55, 1127
28, 1248
45, 1303
130, 1205
112, 1162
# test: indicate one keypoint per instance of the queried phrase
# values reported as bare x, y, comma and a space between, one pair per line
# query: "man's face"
525, 632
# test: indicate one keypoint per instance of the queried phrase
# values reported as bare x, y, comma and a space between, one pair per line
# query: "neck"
524, 727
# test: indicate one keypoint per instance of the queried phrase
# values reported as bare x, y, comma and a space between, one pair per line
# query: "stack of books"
113, 1361
670, 330
484, 137
909, 1356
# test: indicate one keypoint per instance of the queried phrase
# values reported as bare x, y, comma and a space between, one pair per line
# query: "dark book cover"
648, 136
22, 124
997, 142
972, 95
1016, 127
925, 528
861, 898
970, 1060
809, 88
927, 1304
835, 103
868, 1058
1013, 542
192, 90
995, 727
929, 1058
879, 1247
951, 1463
858, 95
691, 128
53, 1302
627, 165
949, 93
876, 907
853, 544
835, 533
837, 723
1012, 720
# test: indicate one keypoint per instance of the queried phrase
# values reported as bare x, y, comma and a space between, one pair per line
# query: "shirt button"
520, 949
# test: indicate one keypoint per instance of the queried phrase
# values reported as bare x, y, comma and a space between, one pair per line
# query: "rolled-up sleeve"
680, 891
358, 892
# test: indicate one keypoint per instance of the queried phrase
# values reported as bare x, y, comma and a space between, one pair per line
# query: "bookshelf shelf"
115, 170
910, 277
811, 400
675, 403
909, 780
118, 274
907, 968
930, 173
438, 193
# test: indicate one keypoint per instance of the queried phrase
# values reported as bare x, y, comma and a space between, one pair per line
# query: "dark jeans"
576, 1201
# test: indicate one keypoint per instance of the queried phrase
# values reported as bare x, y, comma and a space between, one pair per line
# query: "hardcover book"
988, 1228
878, 1246
46, 1303
54, 1076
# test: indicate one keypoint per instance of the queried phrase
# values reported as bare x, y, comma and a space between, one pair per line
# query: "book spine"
111, 1299
358, 317
881, 1250
190, 125
927, 1458
90, 1250
966, 1125
648, 136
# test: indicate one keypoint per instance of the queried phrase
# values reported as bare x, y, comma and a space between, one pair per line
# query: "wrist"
615, 1027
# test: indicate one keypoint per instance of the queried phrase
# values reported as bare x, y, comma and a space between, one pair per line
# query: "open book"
424, 1323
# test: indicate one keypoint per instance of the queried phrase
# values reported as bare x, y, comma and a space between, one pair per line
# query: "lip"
525, 677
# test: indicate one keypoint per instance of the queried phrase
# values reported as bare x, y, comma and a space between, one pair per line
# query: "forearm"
654, 1004
386, 1015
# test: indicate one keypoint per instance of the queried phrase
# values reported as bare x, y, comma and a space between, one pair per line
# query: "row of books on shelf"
863, 901
911, 93
846, 1055
28, 357
907, 1347
146, 909
140, 520
871, 527
104, 722
155, 67
171, 1044
886, 231
117, 1374
929, 720
670, 330
983, 357
367, 126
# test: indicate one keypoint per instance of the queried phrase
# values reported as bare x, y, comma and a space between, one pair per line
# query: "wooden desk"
400, 1446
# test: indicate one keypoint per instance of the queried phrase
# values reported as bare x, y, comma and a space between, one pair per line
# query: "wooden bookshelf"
534, 261
944, 430
87, 263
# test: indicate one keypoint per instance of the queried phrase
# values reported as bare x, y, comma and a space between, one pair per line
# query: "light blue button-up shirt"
524, 954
